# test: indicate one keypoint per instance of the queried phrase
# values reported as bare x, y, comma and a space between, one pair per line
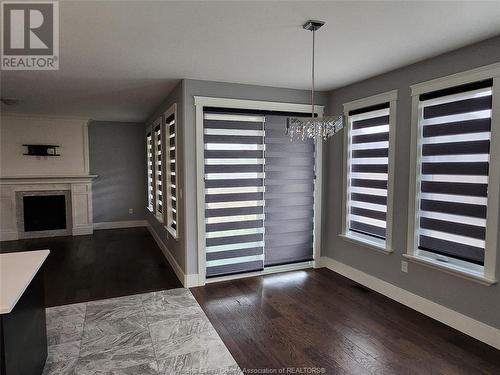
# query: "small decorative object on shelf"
42, 150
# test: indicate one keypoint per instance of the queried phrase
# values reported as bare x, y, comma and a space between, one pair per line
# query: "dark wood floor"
109, 263
319, 319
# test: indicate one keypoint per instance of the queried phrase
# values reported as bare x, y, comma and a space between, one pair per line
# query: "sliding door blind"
158, 172
149, 156
171, 178
234, 188
455, 144
289, 195
368, 171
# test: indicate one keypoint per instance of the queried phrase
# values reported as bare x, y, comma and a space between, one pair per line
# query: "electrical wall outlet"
404, 266
130, 211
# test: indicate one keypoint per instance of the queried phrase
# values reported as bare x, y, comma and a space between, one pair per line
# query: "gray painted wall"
472, 299
223, 90
116, 153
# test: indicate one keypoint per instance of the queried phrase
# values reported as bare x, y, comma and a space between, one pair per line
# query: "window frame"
149, 140
384, 246
156, 123
201, 102
487, 274
167, 184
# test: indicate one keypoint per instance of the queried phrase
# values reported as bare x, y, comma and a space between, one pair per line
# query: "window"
259, 193
149, 161
234, 193
455, 154
171, 170
157, 134
289, 185
454, 143
162, 182
368, 184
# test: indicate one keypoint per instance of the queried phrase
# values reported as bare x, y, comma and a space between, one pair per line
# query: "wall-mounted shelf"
42, 150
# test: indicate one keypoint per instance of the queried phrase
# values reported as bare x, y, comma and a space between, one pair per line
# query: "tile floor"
163, 332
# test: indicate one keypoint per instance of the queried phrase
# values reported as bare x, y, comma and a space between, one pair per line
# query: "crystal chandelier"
313, 127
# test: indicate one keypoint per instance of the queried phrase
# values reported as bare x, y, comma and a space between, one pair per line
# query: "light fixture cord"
312, 91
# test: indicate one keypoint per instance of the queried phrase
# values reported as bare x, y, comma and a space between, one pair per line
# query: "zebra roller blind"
289, 195
455, 144
234, 188
368, 161
149, 156
171, 173
158, 172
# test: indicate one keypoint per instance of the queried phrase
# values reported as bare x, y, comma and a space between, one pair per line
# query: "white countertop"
16, 272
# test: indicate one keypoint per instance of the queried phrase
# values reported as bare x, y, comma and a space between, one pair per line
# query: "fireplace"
36, 208
44, 213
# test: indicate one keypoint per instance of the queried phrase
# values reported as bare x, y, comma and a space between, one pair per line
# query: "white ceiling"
119, 59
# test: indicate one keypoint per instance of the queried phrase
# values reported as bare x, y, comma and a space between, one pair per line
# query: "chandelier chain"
312, 78
313, 127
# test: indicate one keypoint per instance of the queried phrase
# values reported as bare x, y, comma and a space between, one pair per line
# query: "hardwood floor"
109, 263
321, 320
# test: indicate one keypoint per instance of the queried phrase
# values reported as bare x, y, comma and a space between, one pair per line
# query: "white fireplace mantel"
13, 180
79, 186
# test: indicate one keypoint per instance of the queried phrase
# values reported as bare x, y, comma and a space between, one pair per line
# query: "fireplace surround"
43, 213
77, 191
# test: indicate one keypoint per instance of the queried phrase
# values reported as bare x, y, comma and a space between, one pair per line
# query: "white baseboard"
81, 231
121, 224
191, 280
187, 281
452, 318
9, 235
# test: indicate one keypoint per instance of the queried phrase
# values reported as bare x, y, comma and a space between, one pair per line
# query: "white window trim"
366, 241
488, 275
149, 207
166, 184
156, 123
473, 75
202, 101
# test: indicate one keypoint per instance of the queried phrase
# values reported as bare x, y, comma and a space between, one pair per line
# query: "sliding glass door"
289, 195
259, 194
234, 193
